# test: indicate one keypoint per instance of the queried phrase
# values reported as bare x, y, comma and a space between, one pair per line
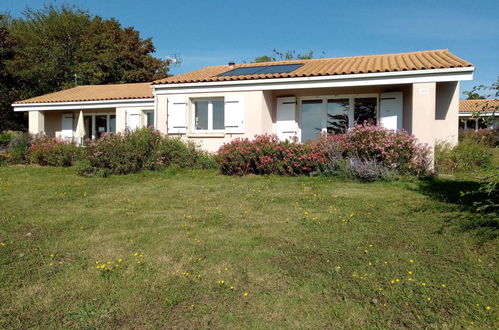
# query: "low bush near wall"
132, 151
267, 155
367, 153
46, 151
397, 150
469, 154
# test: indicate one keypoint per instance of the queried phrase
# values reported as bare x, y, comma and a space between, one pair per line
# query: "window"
149, 118
209, 115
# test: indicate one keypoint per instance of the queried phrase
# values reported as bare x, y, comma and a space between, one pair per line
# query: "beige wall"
257, 118
423, 112
447, 112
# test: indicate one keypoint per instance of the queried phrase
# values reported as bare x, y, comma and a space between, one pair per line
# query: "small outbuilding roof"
478, 105
96, 93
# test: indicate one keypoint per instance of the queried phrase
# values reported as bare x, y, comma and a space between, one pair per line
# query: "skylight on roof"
264, 69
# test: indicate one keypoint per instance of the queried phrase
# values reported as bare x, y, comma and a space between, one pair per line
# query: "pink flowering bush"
47, 151
379, 151
397, 150
267, 155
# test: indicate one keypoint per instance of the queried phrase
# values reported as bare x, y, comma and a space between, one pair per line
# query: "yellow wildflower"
120, 260
409, 272
423, 284
488, 308
246, 294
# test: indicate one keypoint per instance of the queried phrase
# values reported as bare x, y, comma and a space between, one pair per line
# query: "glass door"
337, 115
100, 125
88, 124
365, 111
312, 119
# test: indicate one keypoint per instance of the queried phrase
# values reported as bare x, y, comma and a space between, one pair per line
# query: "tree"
57, 46
473, 96
284, 56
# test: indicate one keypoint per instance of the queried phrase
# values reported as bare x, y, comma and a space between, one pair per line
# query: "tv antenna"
175, 61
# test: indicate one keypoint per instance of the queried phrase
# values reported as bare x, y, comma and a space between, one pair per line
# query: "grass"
199, 250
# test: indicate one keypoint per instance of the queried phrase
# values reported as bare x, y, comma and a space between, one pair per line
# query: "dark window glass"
100, 125
365, 111
201, 115
312, 119
149, 118
337, 116
218, 114
112, 123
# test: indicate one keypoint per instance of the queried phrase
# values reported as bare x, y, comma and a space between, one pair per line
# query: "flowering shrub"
368, 149
396, 150
267, 155
132, 151
47, 151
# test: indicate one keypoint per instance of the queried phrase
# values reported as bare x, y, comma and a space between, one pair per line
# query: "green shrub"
467, 155
47, 151
18, 149
7, 136
132, 151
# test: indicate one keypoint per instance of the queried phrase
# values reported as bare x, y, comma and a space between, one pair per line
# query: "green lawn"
194, 249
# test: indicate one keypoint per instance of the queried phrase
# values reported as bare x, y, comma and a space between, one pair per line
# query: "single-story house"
417, 91
479, 114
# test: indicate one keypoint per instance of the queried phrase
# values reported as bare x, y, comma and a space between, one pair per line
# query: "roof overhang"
348, 80
83, 105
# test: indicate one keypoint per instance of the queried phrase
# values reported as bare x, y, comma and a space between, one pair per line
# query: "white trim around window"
207, 120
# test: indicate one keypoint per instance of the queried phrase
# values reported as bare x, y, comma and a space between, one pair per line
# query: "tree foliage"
48, 50
285, 55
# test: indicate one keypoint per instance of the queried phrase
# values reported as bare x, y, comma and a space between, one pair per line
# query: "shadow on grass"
464, 194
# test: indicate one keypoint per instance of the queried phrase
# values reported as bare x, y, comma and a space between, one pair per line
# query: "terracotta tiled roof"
423, 60
96, 93
478, 105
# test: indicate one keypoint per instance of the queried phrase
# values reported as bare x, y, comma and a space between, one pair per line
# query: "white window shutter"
286, 118
67, 126
132, 119
234, 114
391, 110
177, 115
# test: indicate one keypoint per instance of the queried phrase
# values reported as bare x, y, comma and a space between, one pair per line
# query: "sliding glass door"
96, 125
335, 115
312, 119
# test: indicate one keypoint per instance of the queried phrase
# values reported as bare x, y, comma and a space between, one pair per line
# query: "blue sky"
215, 32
